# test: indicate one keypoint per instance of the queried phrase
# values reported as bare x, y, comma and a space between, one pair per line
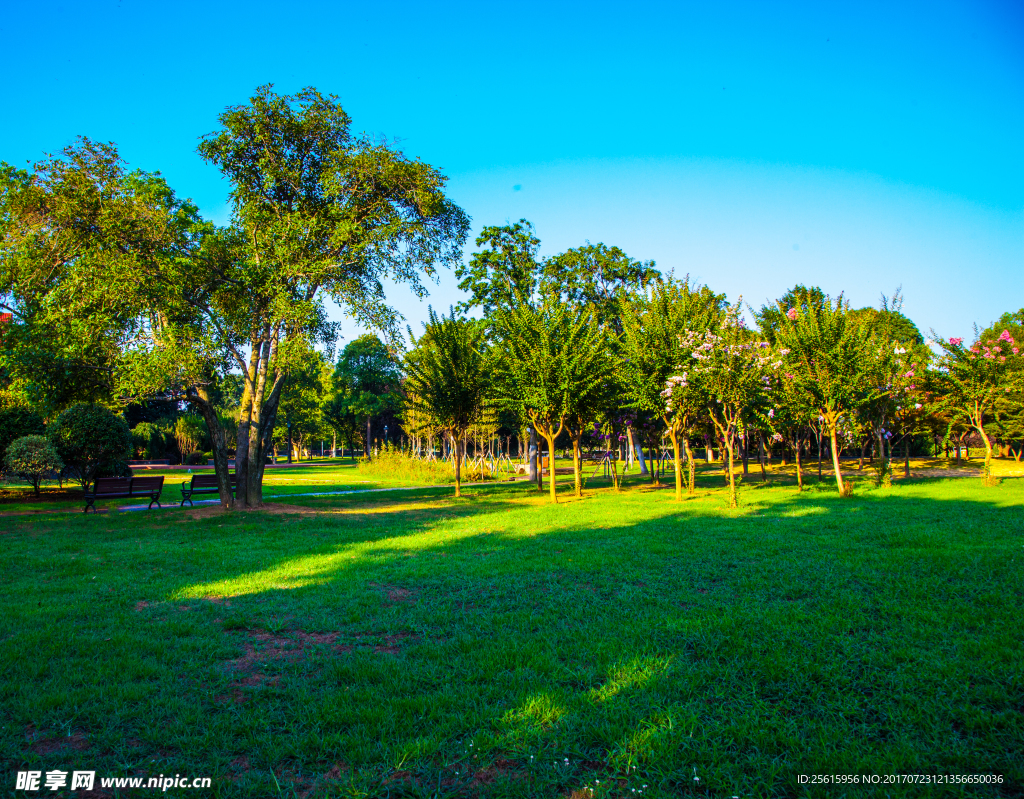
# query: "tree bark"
577, 485
458, 467
637, 450
799, 466
835, 460
674, 435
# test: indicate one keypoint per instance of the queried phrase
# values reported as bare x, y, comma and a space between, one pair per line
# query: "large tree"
505, 268
81, 237
318, 214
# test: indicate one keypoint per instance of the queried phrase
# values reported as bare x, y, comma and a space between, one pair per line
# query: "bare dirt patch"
53, 744
263, 647
497, 770
395, 594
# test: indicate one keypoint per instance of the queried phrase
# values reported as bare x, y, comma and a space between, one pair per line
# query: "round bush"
32, 458
18, 421
91, 441
196, 459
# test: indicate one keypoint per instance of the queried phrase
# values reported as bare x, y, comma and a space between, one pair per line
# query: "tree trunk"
906, 457
552, 486
638, 450
576, 466
835, 460
220, 450
691, 467
760, 455
799, 465
733, 501
674, 435
458, 470
819, 457
745, 452
369, 433
986, 472
534, 461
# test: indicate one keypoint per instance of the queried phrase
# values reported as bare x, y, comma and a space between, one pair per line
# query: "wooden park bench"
124, 488
204, 484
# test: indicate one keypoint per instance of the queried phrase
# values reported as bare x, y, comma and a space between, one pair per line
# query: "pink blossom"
909, 374
1005, 336
956, 342
791, 314
1015, 350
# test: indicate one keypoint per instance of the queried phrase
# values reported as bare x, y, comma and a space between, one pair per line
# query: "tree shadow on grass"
626, 639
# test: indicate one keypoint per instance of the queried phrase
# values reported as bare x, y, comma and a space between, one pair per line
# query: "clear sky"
857, 146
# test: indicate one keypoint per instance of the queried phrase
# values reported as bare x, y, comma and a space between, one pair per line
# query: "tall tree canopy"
505, 269
318, 214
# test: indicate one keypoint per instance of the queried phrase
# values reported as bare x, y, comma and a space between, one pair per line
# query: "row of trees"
120, 292
592, 340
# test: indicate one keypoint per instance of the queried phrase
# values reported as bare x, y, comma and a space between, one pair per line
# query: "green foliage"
827, 359
32, 458
551, 361
17, 421
506, 269
447, 377
148, 442
600, 277
651, 354
189, 433
81, 241
391, 463
367, 380
971, 384
91, 441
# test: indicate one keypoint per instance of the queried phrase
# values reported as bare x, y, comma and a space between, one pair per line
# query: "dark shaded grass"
622, 638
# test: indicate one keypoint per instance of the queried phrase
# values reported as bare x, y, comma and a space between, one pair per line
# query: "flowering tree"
733, 372
972, 382
655, 381
828, 359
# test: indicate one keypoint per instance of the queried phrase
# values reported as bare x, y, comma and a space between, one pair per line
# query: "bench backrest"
147, 483
210, 480
112, 485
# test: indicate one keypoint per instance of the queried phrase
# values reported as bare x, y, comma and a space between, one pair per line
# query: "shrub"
149, 441
16, 422
92, 442
32, 458
196, 459
190, 433
394, 463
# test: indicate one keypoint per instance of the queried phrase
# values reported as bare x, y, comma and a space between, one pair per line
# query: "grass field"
405, 644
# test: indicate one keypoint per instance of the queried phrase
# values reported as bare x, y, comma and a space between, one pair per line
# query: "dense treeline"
218, 339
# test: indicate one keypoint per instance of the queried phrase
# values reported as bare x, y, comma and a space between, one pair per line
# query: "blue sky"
860, 147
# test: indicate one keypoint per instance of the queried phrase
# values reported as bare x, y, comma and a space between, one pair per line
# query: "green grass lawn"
405, 644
